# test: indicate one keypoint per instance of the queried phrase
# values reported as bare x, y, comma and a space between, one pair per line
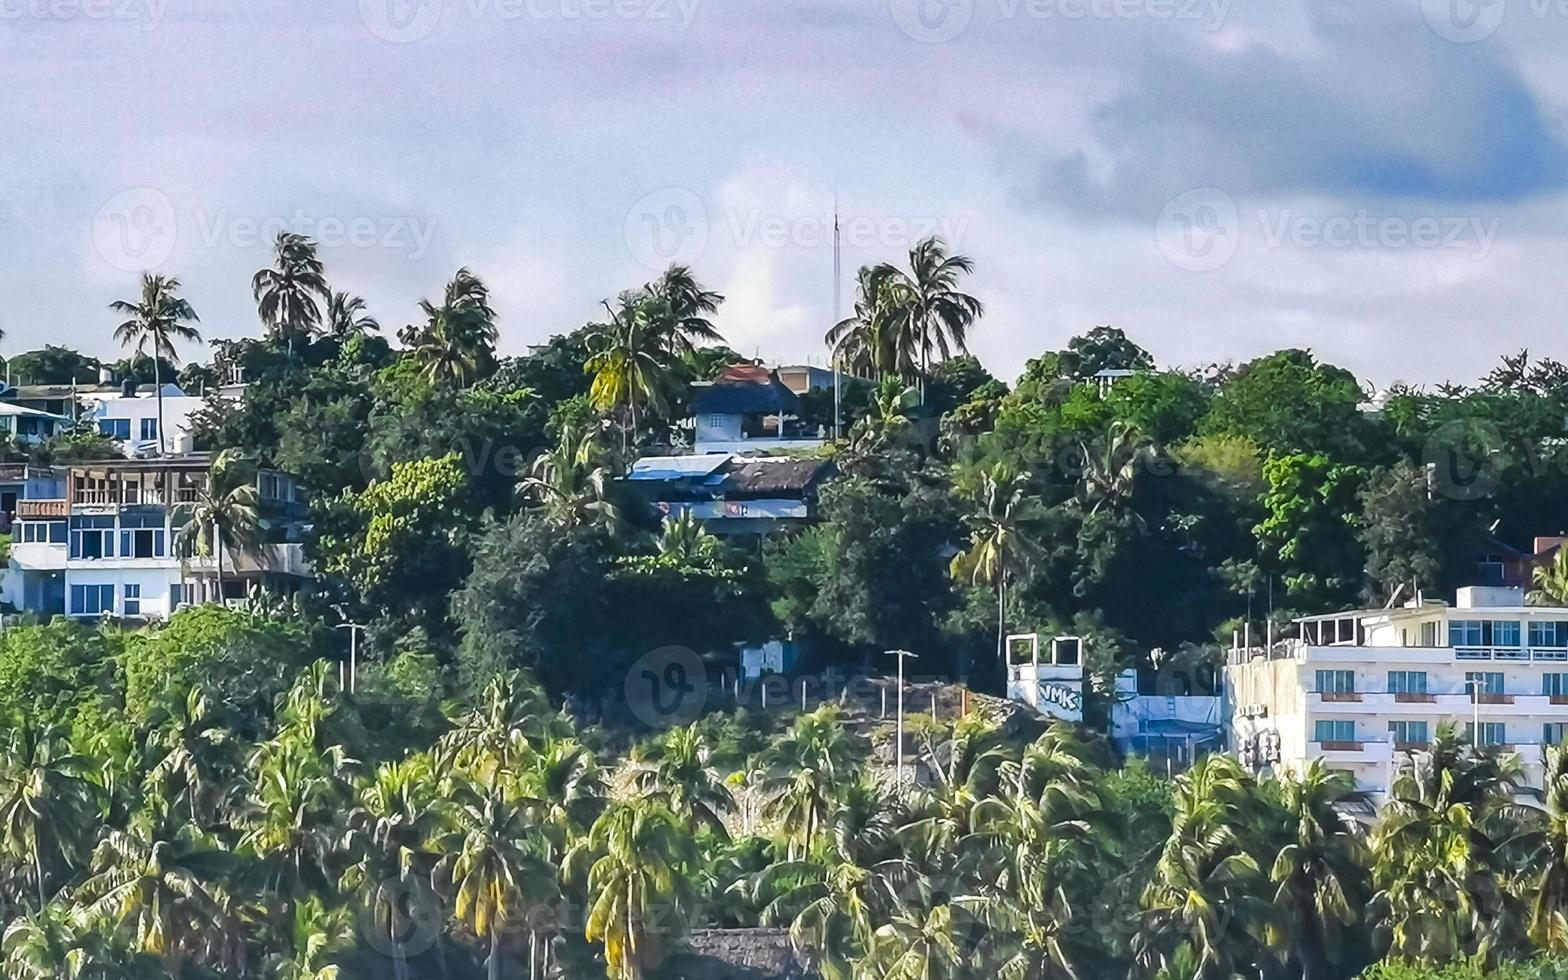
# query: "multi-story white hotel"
99, 539
1364, 689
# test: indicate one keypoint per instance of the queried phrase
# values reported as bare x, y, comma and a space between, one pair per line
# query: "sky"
1383, 182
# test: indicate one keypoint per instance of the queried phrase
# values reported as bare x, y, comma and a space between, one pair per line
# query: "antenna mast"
833, 351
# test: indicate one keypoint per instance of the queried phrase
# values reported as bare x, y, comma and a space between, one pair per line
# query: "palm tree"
289, 815
45, 804
347, 316
1549, 917
639, 862
191, 747
51, 945
886, 419
875, 340
631, 361
1550, 581
456, 343
1320, 873
1110, 472
226, 514
679, 775
490, 864
686, 542
318, 936
386, 832
1206, 893
915, 946
572, 483
681, 308
1437, 861
156, 321
806, 766
927, 300
286, 296
162, 891
492, 743
1002, 532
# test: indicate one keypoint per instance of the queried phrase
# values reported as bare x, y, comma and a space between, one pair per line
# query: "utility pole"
898, 771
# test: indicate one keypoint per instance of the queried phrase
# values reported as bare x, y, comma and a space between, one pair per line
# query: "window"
1429, 634
57, 532
149, 430
1555, 685
1492, 733
92, 600
133, 599
115, 428
1407, 682
1553, 732
92, 537
717, 421
1408, 732
1334, 731
1336, 681
1549, 634
1483, 633
141, 536
1484, 681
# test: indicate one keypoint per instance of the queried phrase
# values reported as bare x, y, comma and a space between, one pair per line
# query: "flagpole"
833, 353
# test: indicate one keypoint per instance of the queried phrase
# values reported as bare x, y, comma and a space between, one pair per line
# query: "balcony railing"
106, 498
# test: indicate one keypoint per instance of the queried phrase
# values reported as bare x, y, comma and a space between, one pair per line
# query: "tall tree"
875, 340
926, 297
346, 316
156, 320
226, 515
45, 804
1320, 875
287, 296
456, 343
631, 362
1002, 537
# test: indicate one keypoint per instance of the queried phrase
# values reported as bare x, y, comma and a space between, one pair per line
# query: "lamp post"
1474, 684
898, 770
354, 629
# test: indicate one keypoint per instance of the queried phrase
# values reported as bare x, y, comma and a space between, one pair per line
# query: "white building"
130, 414
107, 544
748, 410
1364, 689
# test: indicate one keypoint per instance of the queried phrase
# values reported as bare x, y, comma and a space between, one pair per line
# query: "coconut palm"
631, 362
318, 936
289, 816
1549, 916
45, 804
189, 750
226, 515
386, 833
926, 298
571, 482
887, 418
686, 542
456, 343
1550, 582
1206, 893
161, 889
1436, 856
286, 296
1110, 472
876, 339
920, 946
491, 866
639, 861
346, 316
152, 326
681, 308
806, 766
678, 774
1320, 874
494, 742
1002, 537
53, 945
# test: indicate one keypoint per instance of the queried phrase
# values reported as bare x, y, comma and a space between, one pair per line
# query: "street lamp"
1474, 684
354, 629
898, 770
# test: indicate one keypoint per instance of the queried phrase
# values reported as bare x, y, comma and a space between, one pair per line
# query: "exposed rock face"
736, 954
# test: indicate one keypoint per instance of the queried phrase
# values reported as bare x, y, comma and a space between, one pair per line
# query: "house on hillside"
748, 409
730, 494
103, 543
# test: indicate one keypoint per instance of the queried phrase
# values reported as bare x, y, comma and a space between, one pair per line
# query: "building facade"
1365, 690
109, 543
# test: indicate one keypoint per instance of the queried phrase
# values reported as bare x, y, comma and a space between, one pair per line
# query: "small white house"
131, 416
